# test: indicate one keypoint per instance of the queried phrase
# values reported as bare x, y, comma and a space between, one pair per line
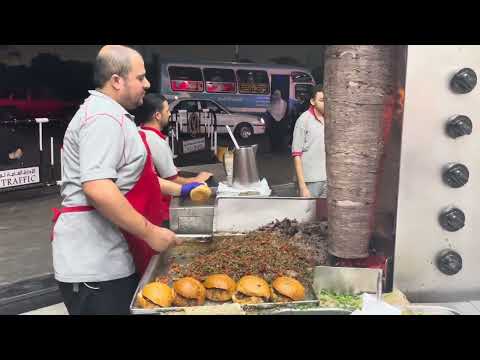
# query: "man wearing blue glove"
153, 116
188, 188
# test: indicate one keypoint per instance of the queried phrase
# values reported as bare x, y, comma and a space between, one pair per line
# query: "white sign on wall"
19, 177
191, 146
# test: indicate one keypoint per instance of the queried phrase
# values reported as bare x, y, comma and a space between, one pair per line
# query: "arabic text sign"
191, 146
19, 177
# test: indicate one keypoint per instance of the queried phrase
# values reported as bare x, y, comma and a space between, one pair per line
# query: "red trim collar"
156, 131
312, 111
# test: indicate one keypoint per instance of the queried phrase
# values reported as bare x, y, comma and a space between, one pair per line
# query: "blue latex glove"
188, 188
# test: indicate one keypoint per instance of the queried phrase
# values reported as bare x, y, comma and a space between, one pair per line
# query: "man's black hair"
316, 89
152, 103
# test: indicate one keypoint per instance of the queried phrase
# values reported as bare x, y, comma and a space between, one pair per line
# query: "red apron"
144, 197
166, 200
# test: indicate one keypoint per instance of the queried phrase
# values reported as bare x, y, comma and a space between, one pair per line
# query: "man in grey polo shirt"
103, 158
308, 148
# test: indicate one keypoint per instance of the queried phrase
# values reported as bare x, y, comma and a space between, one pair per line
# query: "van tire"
244, 131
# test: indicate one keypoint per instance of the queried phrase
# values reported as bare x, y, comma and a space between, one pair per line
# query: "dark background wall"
50, 64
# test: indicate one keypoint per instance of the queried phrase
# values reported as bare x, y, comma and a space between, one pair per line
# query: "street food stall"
266, 250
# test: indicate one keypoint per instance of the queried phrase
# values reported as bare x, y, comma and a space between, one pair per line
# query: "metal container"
243, 214
348, 281
188, 217
245, 170
240, 214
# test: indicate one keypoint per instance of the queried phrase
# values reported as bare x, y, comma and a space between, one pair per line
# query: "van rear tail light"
184, 85
216, 87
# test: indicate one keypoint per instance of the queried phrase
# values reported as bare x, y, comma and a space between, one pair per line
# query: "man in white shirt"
308, 148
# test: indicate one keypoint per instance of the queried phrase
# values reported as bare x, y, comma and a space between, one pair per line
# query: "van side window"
253, 82
209, 105
189, 79
189, 105
220, 80
302, 91
298, 77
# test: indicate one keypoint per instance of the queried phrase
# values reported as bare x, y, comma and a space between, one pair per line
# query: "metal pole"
59, 183
237, 53
52, 163
51, 152
40, 136
40, 123
177, 132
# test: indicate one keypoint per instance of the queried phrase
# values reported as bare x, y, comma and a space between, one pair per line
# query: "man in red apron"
107, 229
153, 116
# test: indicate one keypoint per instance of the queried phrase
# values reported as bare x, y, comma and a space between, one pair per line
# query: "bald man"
107, 228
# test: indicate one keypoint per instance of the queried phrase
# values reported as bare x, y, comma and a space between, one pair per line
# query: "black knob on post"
449, 262
456, 175
452, 219
460, 125
464, 81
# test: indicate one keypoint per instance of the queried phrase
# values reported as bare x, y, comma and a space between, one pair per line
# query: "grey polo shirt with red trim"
101, 142
309, 144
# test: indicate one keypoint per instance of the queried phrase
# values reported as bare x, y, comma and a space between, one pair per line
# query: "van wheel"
244, 131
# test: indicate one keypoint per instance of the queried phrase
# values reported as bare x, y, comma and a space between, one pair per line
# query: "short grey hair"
112, 60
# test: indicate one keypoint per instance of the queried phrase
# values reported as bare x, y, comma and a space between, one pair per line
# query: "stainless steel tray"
183, 254
312, 312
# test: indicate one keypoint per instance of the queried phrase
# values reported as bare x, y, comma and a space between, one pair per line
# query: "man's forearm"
109, 201
297, 160
170, 187
183, 181
201, 178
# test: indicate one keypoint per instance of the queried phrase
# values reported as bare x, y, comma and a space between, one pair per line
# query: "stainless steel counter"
463, 308
240, 213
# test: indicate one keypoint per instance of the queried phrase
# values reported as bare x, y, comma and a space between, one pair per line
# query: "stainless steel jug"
245, 170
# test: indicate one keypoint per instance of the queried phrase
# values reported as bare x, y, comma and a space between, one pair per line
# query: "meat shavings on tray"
283, 248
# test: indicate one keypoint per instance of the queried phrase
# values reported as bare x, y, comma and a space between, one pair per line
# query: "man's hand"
203, 177
161, 239
188, 188
17, 155
105, 196
304, 192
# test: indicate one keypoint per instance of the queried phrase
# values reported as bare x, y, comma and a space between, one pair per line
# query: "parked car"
243, 125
